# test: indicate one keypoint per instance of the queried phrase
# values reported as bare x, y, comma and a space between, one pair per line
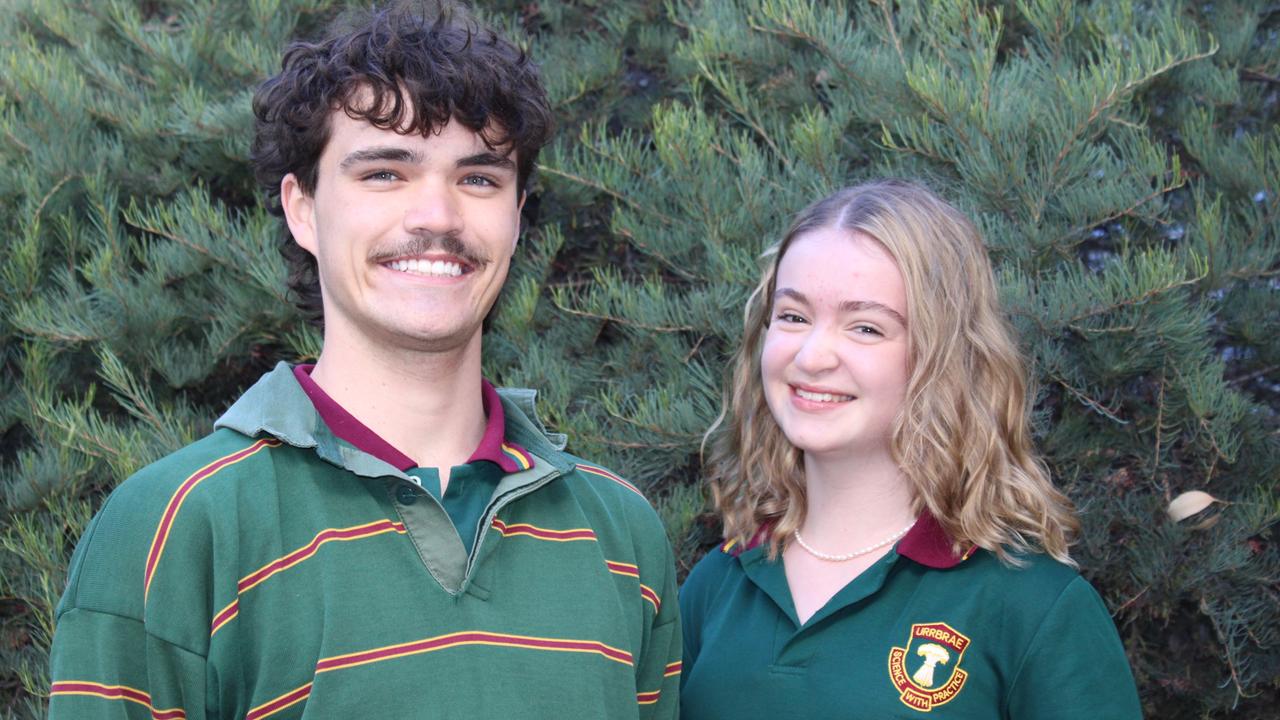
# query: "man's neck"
427, 405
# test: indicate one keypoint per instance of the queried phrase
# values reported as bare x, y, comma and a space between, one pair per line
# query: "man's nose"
433, 210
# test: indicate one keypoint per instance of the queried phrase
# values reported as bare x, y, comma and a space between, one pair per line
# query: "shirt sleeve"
658, 671
706, 579
108, 666
691, 612
105, 662
1075, 665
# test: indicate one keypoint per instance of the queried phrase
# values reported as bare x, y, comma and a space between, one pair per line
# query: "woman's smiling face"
835, 357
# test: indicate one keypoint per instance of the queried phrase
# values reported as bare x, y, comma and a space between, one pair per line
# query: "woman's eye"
790, 317
867, 330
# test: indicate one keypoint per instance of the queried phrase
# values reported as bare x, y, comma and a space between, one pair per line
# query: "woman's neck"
854, 501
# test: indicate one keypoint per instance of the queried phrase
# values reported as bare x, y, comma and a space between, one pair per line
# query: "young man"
382, 534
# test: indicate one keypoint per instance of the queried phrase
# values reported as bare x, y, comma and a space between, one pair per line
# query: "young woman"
894, 546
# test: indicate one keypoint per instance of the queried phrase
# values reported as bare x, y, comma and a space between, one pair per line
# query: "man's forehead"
349, 134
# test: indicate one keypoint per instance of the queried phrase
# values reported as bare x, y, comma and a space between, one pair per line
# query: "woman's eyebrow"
790, 293
864, 305
845, 306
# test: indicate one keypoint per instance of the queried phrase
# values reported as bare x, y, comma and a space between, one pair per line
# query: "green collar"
278, 406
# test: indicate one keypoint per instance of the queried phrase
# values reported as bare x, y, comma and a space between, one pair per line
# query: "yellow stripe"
521, 458
531, 531
103, 694
249, 451
463, 643
227, 619
296, 700
407, 649
652, 601
316, 549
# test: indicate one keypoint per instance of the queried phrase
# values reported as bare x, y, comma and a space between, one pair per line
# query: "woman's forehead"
841, 269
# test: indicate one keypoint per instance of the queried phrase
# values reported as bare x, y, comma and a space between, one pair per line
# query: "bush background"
1122, 159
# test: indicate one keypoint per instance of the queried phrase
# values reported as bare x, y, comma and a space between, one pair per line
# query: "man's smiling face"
413, 235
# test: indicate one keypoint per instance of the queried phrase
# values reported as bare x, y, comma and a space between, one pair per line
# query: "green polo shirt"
276, 570
919, 632
470, 484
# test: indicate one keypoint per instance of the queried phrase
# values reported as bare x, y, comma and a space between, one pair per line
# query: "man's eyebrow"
381, 153
846, 306
487, 159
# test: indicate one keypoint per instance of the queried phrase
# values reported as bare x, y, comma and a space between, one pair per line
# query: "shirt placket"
791, 651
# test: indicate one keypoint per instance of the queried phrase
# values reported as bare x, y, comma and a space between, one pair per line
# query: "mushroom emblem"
932, 654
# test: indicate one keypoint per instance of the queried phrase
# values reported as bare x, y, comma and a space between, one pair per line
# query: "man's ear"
524, 195
299, 212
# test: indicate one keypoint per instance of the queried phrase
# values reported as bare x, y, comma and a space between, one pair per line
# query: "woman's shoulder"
1026, 591
1024, 567
718, 565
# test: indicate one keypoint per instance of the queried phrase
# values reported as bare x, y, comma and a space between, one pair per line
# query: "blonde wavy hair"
962, 438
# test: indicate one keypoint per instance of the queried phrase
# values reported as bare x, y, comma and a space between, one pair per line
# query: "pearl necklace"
855, 553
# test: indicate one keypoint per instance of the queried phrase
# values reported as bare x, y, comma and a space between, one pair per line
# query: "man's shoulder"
600, 480
110, 566
615, 495
223, 452
608, 499
612, 504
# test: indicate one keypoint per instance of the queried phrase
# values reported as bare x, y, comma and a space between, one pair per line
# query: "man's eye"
380, 176
479, 181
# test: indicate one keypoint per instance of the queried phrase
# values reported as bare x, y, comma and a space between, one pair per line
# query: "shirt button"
406, 495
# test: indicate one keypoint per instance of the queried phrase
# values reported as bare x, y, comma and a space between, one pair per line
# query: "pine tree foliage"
1122, 159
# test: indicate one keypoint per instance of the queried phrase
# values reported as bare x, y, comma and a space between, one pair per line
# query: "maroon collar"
494, 446
926, 543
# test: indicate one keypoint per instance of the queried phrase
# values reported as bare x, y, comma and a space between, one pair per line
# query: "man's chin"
436, 339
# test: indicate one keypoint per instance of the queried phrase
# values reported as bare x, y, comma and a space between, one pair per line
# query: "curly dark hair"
424, 65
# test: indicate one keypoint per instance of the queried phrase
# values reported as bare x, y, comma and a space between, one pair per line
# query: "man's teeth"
822, 397
427, 267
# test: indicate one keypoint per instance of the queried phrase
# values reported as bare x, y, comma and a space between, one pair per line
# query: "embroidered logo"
927, 671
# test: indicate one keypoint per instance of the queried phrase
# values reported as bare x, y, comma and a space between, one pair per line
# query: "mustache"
420, 244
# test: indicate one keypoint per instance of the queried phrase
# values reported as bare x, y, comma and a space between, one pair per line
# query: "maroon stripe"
224, 616
623, 568
171, 511
103, 690
550, 534
279, 703
546, 533
314, 545
471, 637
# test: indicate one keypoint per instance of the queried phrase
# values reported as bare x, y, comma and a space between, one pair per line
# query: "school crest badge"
927, 671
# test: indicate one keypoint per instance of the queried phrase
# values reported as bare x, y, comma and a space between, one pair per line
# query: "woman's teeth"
822, 397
